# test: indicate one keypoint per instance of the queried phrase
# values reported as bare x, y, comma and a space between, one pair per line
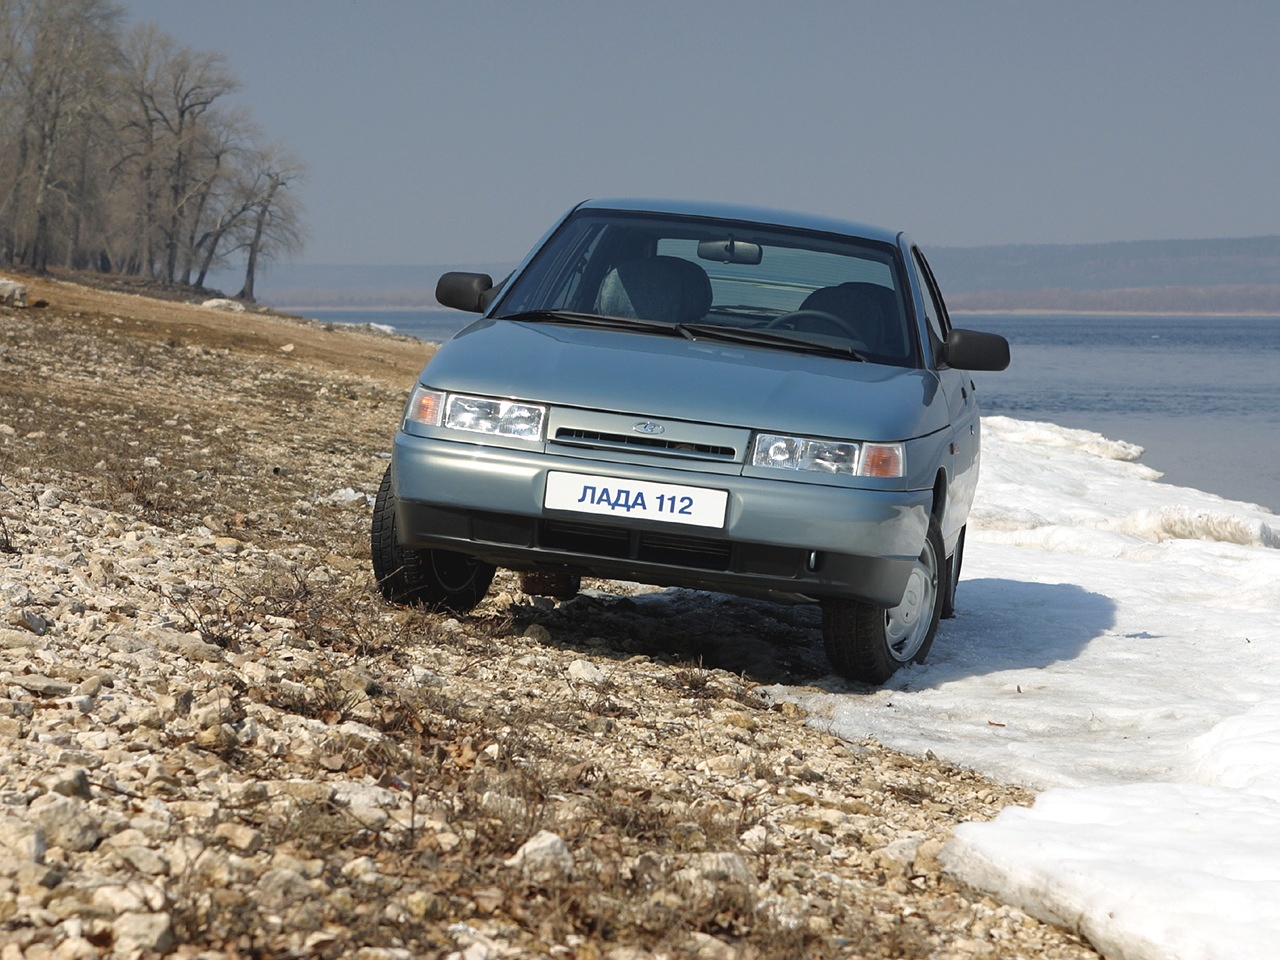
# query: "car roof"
750, 214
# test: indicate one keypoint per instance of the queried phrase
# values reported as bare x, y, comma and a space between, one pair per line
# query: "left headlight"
848, 457
487, 415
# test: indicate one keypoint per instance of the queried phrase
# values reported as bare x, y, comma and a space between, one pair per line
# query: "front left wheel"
433, 578
867, 643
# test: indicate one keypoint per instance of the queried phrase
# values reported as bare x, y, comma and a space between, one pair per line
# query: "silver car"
718, 397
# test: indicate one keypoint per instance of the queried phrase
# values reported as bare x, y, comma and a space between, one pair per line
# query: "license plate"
643, 499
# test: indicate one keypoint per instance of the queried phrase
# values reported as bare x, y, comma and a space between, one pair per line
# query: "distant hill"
1230, 275
1108, 266
1160, 275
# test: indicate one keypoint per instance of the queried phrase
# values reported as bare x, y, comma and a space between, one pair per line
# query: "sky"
1116, 648
456, 133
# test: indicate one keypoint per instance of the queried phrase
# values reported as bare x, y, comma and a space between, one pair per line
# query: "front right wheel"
439, 579
867, 643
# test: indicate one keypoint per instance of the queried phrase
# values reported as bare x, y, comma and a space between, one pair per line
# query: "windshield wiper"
772, 338
595, 320
743, 310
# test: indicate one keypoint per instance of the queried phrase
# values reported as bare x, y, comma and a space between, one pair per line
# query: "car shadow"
1000, 625
1005, 624
759, 640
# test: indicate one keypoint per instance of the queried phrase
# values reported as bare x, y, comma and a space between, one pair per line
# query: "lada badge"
649, 428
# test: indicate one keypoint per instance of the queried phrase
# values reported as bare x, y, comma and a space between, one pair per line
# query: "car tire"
439, 579
953, 577
550, 583
867, 643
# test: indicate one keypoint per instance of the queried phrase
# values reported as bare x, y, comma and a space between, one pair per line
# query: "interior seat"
666, 289
869, 308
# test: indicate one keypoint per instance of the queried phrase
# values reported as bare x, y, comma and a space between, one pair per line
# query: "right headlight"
848, 457
488, 415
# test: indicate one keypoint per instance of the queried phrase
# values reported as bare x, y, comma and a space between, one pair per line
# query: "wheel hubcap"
907, 624
454, 572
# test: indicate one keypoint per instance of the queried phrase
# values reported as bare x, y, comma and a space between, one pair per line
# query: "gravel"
218, 741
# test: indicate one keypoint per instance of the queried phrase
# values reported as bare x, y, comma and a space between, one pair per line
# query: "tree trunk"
260, 223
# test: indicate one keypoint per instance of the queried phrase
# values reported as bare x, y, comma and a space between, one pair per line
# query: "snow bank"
1144, 871
1117, 644
1241, 753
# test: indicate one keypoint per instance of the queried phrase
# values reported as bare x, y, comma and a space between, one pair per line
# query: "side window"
935, 311
554, 280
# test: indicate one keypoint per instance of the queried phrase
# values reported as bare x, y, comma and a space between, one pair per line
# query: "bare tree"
223, 148
60, 73
175, 146
15, 25
120, 152
275, 226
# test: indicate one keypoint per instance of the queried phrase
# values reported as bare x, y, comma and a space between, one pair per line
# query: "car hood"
649, 375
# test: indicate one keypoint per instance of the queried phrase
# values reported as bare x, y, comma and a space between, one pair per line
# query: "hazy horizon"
1230, 275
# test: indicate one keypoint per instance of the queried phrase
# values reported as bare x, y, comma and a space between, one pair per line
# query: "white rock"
142, 933
12, 293
221, 303
709, 877
586, 672
243, 838
70, 783
543, 856
280, 887
184, 644
145, 860
718, 868
22, 839
361, 869
67, 822
134, 897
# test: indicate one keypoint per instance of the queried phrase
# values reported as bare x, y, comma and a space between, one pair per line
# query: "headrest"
666, 289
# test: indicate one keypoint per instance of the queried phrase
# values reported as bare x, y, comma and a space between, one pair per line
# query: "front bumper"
780, 537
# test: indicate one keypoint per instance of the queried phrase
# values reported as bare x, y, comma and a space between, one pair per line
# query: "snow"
1117, 646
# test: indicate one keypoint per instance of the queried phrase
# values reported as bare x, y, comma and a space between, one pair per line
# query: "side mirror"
971, 350
491, 294
464, 291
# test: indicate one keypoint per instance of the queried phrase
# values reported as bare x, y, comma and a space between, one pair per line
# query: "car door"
962, 403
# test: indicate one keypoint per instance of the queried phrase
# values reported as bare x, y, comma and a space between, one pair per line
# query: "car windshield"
840, 294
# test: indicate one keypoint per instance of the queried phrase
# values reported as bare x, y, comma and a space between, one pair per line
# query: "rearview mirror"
729, 251
464, 291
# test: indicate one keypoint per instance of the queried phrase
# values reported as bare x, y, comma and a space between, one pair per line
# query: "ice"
1117, 646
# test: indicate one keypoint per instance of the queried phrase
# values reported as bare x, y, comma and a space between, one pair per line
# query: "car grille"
605, 435
620, 441
587, 540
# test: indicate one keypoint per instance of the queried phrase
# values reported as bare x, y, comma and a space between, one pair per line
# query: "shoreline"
1045, 312
959, 311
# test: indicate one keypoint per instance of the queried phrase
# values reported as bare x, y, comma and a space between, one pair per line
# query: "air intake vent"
622, 441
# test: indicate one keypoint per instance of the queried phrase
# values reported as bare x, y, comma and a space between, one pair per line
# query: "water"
1200, 393
435, 326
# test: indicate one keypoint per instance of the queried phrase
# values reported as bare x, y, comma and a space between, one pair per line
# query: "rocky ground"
216, 740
